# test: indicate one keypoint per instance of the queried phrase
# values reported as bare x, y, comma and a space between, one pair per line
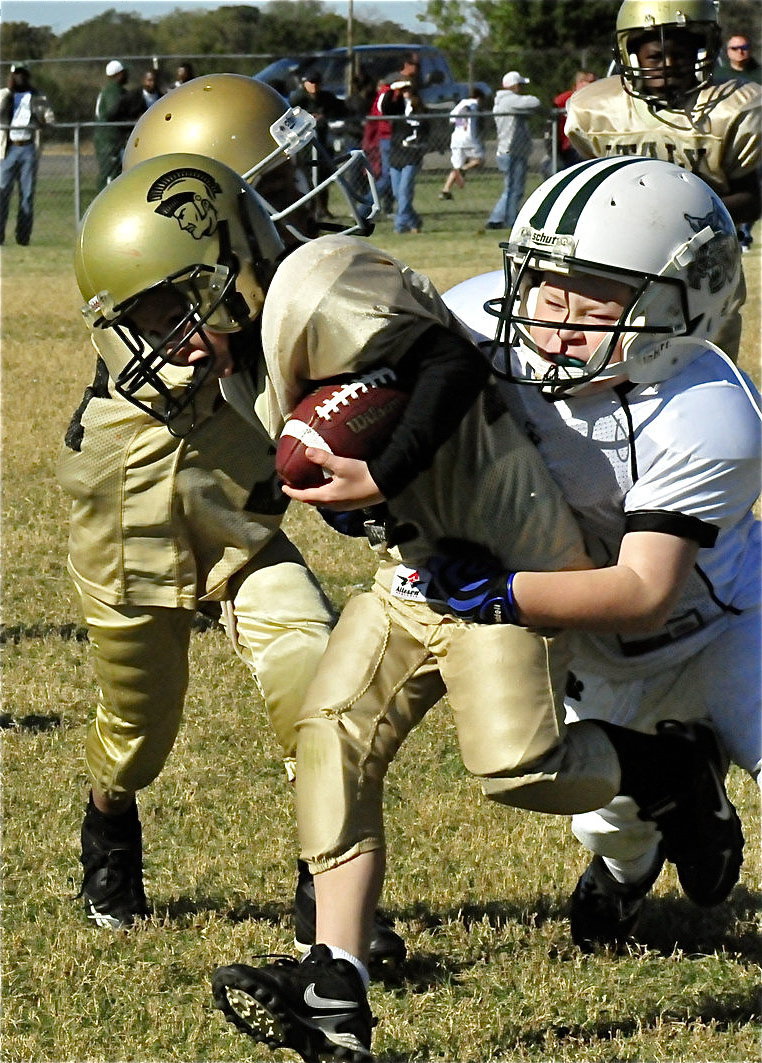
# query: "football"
353, 419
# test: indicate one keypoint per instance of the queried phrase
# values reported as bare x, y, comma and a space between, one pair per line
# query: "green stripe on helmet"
540, 217
570, 217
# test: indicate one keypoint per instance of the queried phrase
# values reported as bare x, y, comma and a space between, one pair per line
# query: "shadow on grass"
725, 1012
181, 908
668, 925
673, 923
33, 722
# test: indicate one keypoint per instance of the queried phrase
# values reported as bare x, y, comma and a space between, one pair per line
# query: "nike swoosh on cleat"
314, 1000
724, 811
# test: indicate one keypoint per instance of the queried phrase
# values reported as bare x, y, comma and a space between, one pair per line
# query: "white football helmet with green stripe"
659, 229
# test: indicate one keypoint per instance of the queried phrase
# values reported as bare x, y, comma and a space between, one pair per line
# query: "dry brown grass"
479, 892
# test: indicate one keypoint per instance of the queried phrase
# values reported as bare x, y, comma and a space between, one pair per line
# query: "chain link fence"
67, 178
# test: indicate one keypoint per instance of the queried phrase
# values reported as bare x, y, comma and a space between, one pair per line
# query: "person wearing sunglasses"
740, 61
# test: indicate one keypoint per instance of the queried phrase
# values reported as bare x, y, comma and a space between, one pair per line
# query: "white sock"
362, 970
631, 870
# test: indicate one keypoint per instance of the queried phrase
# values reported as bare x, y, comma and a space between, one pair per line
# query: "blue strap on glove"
474, 589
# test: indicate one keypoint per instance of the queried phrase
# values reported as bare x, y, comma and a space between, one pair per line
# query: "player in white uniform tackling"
397, 649
619, 273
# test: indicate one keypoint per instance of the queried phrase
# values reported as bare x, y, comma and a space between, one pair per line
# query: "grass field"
479, 892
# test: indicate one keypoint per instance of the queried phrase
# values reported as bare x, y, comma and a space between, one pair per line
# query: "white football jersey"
681, 457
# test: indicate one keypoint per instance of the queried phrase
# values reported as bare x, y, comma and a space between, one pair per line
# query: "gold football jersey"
339, 305
162, 521
718, 138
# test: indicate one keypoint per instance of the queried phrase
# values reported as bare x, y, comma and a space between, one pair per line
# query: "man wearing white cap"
514, 144
114, 104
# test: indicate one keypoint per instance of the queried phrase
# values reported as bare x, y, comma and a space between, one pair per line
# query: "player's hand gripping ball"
353, 419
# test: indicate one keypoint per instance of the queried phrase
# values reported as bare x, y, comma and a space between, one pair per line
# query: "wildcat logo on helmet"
716, 259
188, 195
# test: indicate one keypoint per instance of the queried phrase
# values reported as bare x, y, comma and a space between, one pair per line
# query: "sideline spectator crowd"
381, 117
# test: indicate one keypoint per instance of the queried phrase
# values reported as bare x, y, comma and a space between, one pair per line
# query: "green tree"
21, 42
545, 39
114, 33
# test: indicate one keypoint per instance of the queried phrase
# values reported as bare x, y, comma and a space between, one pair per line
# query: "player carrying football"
398, 648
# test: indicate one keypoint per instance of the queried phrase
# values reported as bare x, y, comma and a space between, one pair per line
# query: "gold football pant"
387, 663
279, 621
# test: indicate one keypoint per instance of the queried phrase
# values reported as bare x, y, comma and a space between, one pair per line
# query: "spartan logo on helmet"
716, 259
188, 195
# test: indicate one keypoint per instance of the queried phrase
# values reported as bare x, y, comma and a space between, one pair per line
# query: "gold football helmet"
247, 125
685, 39
182, 232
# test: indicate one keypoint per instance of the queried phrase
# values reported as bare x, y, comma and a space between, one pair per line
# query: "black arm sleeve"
444, 373
392, 102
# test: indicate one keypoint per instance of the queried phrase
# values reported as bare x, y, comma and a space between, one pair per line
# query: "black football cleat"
604, 912
318, 1008
700, 828
112, 858
386, 946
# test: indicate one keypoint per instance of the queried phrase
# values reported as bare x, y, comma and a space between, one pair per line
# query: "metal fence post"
77, 179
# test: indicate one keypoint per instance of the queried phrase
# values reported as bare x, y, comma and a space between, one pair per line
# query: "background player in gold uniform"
666, 105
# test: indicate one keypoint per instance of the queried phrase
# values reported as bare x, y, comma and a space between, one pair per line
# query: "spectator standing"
466, 143
23, 113
410, 71
408, 146
114, 104
377, 144
184, 72
514, 144
567, 153
377, 141
325, 107
356, 107
742, 65
150, 89
740, 61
